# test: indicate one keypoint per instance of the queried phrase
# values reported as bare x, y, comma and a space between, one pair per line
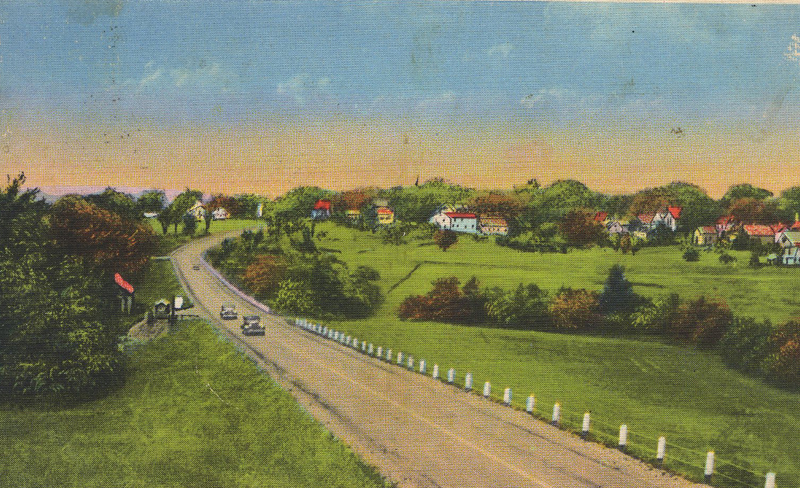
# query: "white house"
463, 222
198, 210
789, 240
220, 214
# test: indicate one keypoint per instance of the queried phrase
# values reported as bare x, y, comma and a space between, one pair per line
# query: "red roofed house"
601, 217
763, 233
668, 217
385, 215
322, 210
463, 222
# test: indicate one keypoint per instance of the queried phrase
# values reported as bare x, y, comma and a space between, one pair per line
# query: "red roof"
759, 230
322, 205
459, 215
122, 283
726, 219
385, 211
675, 211
796, 225
708, 229
600, 216
646, 218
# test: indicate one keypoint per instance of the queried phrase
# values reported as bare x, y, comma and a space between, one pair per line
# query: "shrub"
294, 297
783, 364
575, 309
445, 238
658, 316
746, 344
702, 321
525, 307
691, 255
446, 303
264, 274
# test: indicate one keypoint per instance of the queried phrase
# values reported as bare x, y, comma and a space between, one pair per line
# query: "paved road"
417, 431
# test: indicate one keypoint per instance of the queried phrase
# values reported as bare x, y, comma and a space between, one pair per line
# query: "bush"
746, 344
691, 255
658, 316
264, 274
445, 238
446, 303
525, 307
783, 364
294, 297
575, 309
702, 321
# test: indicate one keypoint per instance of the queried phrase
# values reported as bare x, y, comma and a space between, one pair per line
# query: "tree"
745, 190
753, 211
783, 363
102, 238
230, 204
446, 303
506, 206
445, 238
789, 203
617, 296
702, 321
152, 201
117, 202
575, 309
294, 297
189, 224
182, 203
579, 227
745, 345
524, 307
264, 275
691, 254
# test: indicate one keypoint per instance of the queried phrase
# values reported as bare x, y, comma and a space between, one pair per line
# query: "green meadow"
686, 395
193, 411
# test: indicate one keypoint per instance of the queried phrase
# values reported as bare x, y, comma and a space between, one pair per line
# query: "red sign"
122, 283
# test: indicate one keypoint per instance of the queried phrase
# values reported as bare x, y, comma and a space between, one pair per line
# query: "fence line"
568, 420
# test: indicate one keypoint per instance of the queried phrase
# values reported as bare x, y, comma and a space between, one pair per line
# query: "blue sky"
609, 68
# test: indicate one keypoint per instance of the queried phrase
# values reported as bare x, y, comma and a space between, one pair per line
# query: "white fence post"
507, 395
370, 349
586, 422
410, 363
468, 382
399, 358
709, 466
435, 374
770, 483
422, 366
531, 404
623, 437
487, 389
389, 355
380, 352
355, 343
662, 450
556, 414
451, 375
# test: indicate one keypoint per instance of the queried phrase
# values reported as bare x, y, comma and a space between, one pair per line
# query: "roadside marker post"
487, 389
662, 450
399, 358
507, 395
389, 356
586, 422
355, 343
380, 352
556, 414
770, 483
435, 374
709, 466
370, 350
451, 376
422, 366
349, 340
410, 363
623, 437
468, 382
530, 405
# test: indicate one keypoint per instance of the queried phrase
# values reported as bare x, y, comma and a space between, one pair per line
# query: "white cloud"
302, 87
503, 49
793, 51
205, 75
544, 94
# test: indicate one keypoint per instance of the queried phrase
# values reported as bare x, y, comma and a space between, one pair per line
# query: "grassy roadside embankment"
194, 411
657, 389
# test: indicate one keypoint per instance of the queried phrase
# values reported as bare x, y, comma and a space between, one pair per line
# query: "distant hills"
53, 193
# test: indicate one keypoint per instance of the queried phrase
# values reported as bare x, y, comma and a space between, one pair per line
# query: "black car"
228, 312
251, 325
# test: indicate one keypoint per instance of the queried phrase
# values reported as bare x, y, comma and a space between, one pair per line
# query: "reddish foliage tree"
264, 275
575, 309
352, 199
224, 201
446, 302
505, 206
579, 227
702, 321
445, 238
100, 236
753, 211
650, 200
784, 362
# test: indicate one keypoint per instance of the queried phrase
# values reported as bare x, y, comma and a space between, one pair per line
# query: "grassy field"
194, 412
656, 389
171, 241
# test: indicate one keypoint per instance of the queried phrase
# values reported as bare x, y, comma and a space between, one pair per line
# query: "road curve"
418, 432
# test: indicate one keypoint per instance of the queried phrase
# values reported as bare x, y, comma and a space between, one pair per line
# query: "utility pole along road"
417, 431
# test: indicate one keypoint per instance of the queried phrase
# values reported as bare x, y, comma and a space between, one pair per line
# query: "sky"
261, 96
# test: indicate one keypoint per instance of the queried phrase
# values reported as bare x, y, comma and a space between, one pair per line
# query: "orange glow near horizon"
272, 158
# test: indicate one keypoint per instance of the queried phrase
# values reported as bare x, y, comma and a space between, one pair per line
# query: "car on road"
228, 312
251, 325
196, 267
